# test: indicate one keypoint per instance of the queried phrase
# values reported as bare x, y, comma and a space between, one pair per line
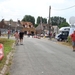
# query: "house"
56, 29
45, 29
17, 25
11, 25
28, 27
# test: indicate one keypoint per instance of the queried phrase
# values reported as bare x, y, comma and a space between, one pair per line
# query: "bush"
69, 40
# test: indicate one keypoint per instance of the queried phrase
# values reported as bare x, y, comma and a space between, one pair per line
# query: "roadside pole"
49, 21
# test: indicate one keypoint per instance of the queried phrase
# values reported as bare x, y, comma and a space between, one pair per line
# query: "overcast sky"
17, 9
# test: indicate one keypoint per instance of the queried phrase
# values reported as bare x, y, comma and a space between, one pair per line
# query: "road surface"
42, 57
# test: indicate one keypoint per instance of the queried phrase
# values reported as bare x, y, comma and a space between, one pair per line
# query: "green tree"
44, 20
57, 20
11, 20
64, 24
35, 25
39, 19
29, 18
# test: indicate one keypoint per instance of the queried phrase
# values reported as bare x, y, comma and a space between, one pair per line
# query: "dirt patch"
65, 43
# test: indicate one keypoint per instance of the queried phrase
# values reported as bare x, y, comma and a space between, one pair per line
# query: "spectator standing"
73, 40
16, 37
21, 35
54, 34
8, 33
50, 35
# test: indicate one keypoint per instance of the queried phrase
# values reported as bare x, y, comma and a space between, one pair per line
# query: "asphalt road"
42, 57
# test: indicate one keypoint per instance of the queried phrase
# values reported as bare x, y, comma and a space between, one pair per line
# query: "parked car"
63, 33
62, 36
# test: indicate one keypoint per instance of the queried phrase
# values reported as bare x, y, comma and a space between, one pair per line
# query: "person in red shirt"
73, 40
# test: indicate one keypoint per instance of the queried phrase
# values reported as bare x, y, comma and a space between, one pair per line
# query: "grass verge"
7, 43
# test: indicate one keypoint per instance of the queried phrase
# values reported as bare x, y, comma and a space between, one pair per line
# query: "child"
16, 37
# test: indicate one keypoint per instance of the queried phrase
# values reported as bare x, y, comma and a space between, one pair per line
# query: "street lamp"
49, 21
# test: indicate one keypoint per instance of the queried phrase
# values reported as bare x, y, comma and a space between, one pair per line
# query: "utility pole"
58, 24
40, 25
49, 21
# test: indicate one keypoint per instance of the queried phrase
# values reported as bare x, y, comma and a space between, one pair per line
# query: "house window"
23, 25
29, 26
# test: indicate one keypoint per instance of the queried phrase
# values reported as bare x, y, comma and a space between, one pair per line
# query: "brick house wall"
28, 27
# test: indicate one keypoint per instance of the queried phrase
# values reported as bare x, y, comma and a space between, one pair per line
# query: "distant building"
11, 25
19, 25
56, 29
28, 27
44, 28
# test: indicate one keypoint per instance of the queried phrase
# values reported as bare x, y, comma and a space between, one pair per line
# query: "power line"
64, 8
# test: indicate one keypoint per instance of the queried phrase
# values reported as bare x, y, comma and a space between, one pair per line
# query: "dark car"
62, 36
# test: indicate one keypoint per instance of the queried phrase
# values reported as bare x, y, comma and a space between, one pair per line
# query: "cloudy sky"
17, 9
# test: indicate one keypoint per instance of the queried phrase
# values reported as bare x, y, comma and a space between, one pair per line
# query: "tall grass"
69, 40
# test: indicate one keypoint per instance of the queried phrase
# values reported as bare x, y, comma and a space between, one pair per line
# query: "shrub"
69, 40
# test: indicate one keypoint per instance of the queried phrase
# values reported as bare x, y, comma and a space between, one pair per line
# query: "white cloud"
13, 9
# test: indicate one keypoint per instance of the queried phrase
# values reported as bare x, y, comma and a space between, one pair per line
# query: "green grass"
7, 43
